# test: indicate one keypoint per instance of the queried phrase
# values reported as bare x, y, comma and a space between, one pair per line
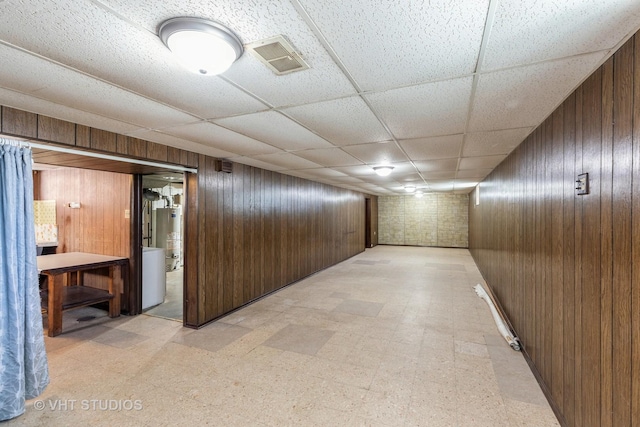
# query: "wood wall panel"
50, 129
19, 123
565, 267
635, 239
103, 140
134, 147
265, 230
157, 152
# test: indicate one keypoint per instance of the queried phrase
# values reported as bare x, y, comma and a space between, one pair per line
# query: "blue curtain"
23, 361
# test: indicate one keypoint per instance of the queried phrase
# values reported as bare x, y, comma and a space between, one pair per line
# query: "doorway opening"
367, 223
162, 248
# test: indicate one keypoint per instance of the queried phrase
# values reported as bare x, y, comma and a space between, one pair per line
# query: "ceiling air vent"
277, 54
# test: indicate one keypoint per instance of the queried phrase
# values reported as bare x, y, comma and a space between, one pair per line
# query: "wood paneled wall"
566, 267
257, 231
247, 233
99, 226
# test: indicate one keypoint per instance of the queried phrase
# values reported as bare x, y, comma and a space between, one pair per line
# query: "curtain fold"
23, 360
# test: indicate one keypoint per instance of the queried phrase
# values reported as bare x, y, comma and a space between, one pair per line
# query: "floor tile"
359, 308
392, 337
300, 339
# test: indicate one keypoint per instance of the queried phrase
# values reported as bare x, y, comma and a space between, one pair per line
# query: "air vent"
224, 166
278, 54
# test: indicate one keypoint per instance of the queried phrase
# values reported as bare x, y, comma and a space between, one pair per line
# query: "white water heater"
168, 224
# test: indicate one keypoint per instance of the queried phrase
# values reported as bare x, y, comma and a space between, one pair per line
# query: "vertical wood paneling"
20, 123
83, 136
264, 230
635, 245
591, 314
622, 214
157, 152
103, 140
576, 302
606, 242
54, 130
132, 147
568, 277
557, 248
578, 270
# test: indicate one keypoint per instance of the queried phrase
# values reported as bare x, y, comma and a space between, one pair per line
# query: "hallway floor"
395, 336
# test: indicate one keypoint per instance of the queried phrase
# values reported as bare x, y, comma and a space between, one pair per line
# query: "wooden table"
63, 295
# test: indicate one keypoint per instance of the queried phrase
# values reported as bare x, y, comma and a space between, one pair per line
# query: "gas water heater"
168, 224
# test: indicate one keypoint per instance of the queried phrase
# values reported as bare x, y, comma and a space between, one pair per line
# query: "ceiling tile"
224, 139
431, 109
342, 121
441, 185
402, 43
475, 174
275, 129
494, 142
525, 32
346, 179
377, 153
48, 81
485, 162
287, 161
329, 157
437, 165
250, 161
440, 147
334, 175
24, 102
439, 175
184, 144
512, 98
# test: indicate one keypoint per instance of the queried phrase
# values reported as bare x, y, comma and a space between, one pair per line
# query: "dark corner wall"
247, 233
566, 268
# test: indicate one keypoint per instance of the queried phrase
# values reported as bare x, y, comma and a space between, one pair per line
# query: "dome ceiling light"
383, 170
202, 46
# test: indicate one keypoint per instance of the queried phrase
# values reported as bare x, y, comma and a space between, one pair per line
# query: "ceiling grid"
442, 90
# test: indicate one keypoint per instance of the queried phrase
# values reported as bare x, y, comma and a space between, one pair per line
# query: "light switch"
127, 213
582, 184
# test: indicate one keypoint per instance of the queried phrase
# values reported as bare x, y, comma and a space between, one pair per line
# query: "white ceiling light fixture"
383, 170
409, 188
419, 194
202, 46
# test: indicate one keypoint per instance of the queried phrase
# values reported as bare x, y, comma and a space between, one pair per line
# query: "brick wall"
433, 220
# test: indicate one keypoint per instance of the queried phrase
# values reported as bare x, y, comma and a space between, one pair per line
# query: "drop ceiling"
443, 90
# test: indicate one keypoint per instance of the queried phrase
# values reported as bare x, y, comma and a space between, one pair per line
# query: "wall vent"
224, 166
277, 54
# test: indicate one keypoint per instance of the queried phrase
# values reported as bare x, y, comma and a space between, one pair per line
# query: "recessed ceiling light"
202, 46
383, 170
419, 194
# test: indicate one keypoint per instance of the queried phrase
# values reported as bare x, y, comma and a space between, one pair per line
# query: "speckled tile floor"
399, 340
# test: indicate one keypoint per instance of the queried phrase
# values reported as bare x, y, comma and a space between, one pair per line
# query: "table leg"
54, 305
115, 279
